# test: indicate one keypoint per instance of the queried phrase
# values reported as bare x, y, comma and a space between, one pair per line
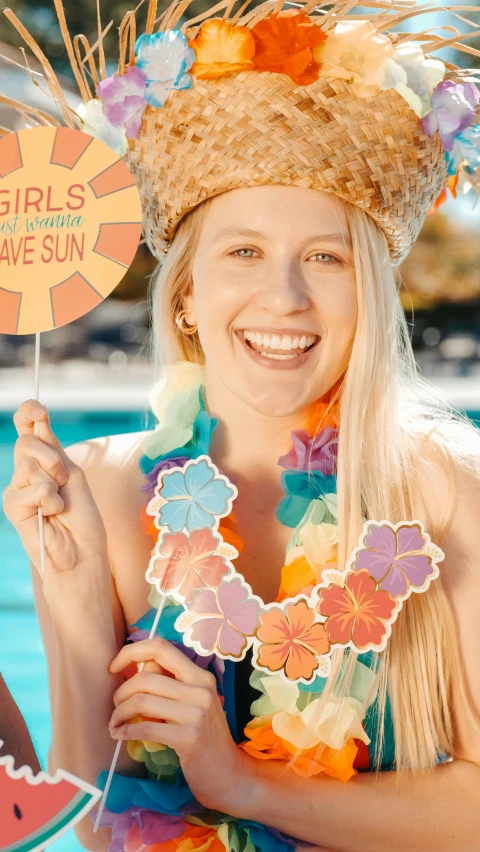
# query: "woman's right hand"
45, 476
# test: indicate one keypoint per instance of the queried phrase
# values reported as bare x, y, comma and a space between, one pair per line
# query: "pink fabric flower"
123, 99
183, 563
318, 453
394, 559
453, 108
221, 619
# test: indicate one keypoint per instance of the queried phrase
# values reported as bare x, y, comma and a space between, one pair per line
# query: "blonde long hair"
399, 423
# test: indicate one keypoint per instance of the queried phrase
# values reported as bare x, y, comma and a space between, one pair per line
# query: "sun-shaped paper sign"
70, 224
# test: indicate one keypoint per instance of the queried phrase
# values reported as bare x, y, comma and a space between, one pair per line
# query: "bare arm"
14, 732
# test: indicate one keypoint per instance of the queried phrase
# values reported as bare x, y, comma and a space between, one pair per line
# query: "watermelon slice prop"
37, 809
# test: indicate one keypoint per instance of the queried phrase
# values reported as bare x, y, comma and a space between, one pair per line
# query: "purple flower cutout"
220, 620
123, 99
319, 453
453, 109
394, 559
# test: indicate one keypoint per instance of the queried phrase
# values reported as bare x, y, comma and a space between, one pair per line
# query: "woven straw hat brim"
254, 128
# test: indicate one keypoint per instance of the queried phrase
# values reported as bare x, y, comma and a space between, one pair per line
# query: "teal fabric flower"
194, 498
301, 487
198, 445
164, 58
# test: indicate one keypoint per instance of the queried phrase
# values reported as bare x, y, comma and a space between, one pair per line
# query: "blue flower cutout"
164, 58
301, 487
194, 498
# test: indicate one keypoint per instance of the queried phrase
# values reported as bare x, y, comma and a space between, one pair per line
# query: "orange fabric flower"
264, 744
292, 640
295, 578
357, 612
148, 525
221, 48
195, 837
451, 184
284, 43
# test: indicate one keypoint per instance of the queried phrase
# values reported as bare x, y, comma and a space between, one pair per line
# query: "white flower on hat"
413, 76
355, 52
96, 124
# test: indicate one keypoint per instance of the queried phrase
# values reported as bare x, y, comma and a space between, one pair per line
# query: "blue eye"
324, 254
238, 250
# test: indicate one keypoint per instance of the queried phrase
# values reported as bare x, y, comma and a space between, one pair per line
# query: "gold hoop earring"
183, 326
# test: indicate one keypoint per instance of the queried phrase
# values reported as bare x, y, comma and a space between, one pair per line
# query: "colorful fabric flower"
307, 453
291, 640
164, 58
139, 825
221, 48
123, 99
264, 744
183, 563
163, 464
355, 52
452, 110
357, 612
340, 720
96, 124
193, 499
284, 43
395, 559
451, 184
413, 76
466, 146
301, 487
221, 619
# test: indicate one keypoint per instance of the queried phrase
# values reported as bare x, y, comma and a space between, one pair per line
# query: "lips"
278, 350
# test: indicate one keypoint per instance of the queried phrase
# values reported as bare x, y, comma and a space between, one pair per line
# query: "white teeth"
285, 342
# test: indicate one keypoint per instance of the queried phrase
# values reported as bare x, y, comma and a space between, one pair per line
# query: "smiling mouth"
279, 347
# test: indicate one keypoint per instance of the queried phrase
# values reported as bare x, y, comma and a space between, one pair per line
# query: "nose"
283, 289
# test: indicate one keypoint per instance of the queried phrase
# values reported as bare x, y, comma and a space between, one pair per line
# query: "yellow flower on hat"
355, 52
221, 48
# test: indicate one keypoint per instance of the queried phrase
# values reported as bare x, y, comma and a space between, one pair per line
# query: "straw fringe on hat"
256, 127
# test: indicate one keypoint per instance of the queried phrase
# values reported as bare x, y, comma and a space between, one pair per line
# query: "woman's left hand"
190, 718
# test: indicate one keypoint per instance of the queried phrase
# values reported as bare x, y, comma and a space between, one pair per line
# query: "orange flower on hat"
291, 640
451, 184
356, 612
284, 43
221, 48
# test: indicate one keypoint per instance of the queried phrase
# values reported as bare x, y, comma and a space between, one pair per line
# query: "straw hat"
300, 97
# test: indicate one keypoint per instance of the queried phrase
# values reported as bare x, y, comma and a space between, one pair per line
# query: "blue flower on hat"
466, 146
194, 499
164, 58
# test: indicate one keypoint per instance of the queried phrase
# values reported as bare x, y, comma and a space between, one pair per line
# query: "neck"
232, 445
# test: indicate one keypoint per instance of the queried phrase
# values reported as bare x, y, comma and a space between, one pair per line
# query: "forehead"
271, 210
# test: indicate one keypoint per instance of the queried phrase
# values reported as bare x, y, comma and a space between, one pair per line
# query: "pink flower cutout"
319, 453
221, 619
123, 99
184, 563
394, 559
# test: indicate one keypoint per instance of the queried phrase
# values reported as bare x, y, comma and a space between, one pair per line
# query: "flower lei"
211, 617
289, 42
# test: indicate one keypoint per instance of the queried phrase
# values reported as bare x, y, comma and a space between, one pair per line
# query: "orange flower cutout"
291, 640
356, 612
221, 48
284, 43
264, 744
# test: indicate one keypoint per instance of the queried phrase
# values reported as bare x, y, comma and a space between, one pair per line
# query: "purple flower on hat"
123, 100
319, 453
466, 146
453, 108
164, 58
394, 558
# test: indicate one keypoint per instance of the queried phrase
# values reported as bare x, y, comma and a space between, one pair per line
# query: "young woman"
291, 263
285, 162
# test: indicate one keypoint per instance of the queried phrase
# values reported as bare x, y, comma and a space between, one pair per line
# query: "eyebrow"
339, 237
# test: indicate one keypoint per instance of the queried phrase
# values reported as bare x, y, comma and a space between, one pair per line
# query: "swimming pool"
22, 660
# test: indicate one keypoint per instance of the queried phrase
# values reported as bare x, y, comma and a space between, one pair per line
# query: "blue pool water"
22, 660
